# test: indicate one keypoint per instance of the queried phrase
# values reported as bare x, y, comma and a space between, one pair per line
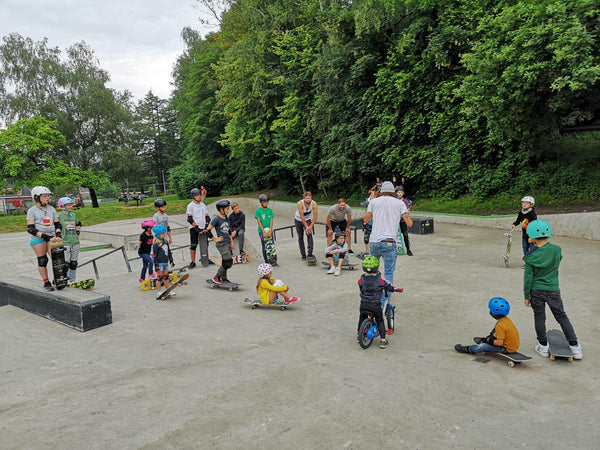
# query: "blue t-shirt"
221, 226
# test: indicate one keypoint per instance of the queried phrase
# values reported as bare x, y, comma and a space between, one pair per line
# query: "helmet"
264, 269
148, 223
401, 188
195, 192
387, 186
538, 228
64, 201
499, 306
370, 264
159, 202
157, 230
339, 234
263, 198
40, 190
221, 204
528, 198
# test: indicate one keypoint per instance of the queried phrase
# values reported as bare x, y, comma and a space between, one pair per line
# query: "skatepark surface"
204, 370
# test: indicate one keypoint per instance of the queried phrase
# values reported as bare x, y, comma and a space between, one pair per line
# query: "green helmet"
370, 264
538, 229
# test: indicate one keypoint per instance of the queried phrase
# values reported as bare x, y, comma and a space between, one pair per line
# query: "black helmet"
221, 204
263, 198
159, 202
339, 233
195, 192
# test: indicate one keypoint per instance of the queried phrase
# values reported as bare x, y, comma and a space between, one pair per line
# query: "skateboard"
400, 241
237, 259
311, 260
344, 266
59, 265
150, 283
87, 285
506, 257
167, 293
203, 244
257, 303
270, 250
226, 285
558, 345
513, 358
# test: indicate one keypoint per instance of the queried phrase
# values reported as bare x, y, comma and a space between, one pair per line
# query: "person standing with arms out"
72, 228
305, 219
237, 221
386, 212
264, 217
161, 218
198, 219
340, 216
44, 227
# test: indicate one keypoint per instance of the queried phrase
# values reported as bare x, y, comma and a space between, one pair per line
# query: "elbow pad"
209, 234
32, 230
168, 228
78, 224
190, 220
58, 226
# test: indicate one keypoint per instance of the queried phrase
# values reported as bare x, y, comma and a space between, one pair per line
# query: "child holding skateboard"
162, 257
220, 223
403, 226
198, 219
237, 221
336, 253
160, 216
524, 218
72, 228
372, 285
540, 287
268, 289
144, 248
504, 337
264, 217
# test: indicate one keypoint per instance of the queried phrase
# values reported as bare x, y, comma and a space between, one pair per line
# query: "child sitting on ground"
336, 253
162, 257
268, 288
371, 285
504, 337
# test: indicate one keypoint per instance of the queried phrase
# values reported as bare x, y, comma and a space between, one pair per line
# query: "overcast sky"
136, 41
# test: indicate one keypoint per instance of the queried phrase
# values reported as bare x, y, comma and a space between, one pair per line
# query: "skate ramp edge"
75, 308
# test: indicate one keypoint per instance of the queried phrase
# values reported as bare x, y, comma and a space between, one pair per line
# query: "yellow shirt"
505, 329
265, 287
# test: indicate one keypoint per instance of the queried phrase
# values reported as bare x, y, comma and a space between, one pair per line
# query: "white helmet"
40, 190
264, 269
528, 198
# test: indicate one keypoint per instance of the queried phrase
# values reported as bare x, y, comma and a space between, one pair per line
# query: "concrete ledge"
75, 308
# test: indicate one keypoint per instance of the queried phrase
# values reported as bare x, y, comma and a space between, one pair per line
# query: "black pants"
404, 231
367, 309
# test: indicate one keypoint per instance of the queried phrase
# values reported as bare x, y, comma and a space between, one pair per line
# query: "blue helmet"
538, 229
157, 230
499, 306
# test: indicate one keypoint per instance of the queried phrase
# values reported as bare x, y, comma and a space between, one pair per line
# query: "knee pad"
43, 261
227, 263
193, 247
73, 265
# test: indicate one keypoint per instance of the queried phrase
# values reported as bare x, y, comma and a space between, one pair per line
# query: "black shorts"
343, 225
194, 237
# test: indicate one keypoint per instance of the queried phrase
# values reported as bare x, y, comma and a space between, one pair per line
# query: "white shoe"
542, 350
337, 272
158, 294
172, 294
576, 350
331, 270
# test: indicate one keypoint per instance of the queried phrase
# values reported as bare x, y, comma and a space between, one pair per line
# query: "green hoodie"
541, 269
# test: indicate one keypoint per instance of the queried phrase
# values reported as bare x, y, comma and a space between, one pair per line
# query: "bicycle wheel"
363, 340
389, 314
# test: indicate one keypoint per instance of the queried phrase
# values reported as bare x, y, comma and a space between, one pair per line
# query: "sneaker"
158, 294
303, 258
141, 280
461, 348
331, 270
211, 262
409, 253
153, 276
383, 343
48, 286
350, 250
576, 350
337, 272
293, 300
217, 280
192, 265
173, 294
542, 350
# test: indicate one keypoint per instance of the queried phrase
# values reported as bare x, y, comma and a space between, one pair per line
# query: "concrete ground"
203, 370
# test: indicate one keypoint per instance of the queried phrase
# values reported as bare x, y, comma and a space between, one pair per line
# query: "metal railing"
93, 261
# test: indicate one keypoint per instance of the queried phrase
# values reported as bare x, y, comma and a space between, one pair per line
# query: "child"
541, 287
44, 227
268, 289
237, 221
524, 218
198, 219
403, 226
264, 217
220, 224
160, 216
504, 337
144, 248
336, 253
72, 228
371, 285
162, 257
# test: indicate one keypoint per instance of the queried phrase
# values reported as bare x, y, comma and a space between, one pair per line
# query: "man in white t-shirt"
386, 212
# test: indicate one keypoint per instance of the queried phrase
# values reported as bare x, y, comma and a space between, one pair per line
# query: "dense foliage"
462, 97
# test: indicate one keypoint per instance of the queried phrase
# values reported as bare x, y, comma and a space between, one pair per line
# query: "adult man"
198, 219
339, 215
386, 212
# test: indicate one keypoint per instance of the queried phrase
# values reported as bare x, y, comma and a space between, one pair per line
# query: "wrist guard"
46, 237
32, 230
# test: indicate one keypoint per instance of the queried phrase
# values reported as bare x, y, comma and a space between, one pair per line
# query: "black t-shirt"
146, 246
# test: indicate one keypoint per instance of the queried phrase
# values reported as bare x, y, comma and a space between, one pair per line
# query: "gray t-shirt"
43, 219
338, 215
161, 219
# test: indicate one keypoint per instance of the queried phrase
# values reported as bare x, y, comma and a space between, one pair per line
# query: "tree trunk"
302, 184
94, 198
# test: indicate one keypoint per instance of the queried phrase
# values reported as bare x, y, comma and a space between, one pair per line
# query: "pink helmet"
148, 223
264, 269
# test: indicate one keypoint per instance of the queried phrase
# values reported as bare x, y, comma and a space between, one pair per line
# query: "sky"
136, 41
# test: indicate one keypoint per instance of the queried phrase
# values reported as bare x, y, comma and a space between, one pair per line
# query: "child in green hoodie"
540, 287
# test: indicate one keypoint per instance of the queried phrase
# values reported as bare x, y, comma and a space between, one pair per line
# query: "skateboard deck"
400, 242
558, 345
270, 250
59, 265
254, 303
237, 259
87, 285
203, 244
513, 358
311, 260
180, 282
344, 266
506, 256
150, 283
227, 285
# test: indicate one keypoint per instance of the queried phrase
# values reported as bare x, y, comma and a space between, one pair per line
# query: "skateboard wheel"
253, 306
351, 268
552, 358
283, 308
230, 290
211, 286
510, 364
571, 359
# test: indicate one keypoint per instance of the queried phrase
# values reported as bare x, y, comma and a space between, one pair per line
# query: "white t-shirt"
198, 212
386, 212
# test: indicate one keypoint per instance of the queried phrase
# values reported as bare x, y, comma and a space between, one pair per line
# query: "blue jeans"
388, 251
262, 243
147, 264
484, 347
526, 244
